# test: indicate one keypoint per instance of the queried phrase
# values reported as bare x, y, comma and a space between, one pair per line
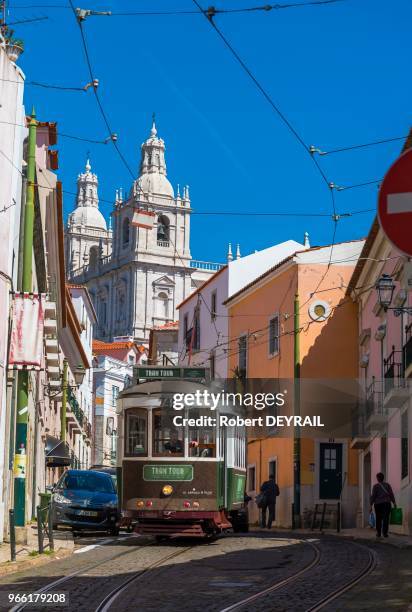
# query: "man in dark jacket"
270, 491
382, 498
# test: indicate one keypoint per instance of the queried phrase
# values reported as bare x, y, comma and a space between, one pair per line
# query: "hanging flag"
26, 343
143, 218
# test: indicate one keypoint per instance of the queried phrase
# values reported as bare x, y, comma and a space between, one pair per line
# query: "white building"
136, 277
12, 117
87, 318
203, 318
113, 369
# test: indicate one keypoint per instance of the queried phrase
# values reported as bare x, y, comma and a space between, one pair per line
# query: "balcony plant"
14, 46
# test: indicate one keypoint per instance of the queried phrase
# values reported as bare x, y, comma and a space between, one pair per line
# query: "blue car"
85, 499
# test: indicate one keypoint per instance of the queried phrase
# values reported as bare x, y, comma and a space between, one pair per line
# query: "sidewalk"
27, 554
366, 534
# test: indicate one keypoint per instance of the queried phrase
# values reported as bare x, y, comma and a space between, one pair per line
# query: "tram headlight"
167, 490
140, 504
149, 503
186, 504
196, 504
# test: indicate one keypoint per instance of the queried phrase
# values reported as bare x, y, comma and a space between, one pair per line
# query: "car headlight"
61, 499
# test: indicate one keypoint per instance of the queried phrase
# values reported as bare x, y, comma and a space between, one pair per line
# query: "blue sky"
339, 72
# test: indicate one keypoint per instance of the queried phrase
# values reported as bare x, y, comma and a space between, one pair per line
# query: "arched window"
163, 305
93, 257
126, 231
163, 229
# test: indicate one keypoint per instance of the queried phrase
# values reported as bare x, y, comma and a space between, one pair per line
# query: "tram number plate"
168, 472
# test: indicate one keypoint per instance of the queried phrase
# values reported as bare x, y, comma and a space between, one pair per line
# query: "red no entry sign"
395, 203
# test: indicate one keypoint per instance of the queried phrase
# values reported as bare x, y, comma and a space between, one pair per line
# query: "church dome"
88, 216
156, 183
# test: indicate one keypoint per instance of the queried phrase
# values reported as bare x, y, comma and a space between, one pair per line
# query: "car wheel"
115, 531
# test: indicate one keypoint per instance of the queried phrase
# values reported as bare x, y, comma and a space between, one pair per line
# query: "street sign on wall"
395, 204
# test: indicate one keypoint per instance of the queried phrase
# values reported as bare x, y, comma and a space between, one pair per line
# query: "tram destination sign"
169, 373
172, 473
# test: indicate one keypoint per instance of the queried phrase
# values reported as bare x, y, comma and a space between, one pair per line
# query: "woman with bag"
382, 499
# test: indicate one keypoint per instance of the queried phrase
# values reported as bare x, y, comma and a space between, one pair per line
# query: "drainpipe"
296, 412
20, 457
64, 401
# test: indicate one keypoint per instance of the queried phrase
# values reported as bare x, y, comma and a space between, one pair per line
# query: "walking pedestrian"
382, 499
269, 491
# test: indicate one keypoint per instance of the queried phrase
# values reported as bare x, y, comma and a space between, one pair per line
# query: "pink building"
382, 421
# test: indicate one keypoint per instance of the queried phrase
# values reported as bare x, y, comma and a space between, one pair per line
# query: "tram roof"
163, 386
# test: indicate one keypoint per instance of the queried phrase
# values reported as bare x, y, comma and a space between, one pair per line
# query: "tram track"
79, 573
107, 602
322, 602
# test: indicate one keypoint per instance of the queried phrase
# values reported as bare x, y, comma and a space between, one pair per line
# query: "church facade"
136, 276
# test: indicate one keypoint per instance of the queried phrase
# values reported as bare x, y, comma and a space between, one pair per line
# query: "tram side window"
167, 439
202, 442
136, 432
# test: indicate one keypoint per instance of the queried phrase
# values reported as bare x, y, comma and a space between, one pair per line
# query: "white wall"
11, 144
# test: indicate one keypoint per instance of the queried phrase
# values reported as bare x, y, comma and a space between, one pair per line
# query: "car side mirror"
50, 488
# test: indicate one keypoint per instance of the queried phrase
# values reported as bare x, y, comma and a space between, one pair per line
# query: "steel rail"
107, 602
238, 605
47, 587
349, 585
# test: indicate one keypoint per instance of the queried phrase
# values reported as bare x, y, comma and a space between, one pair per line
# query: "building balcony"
210, 266
395, 388
360, 437
74, 414
407, 352
163, 243
376, 413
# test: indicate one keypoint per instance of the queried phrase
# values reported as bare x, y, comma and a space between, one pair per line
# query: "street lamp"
79, 374
385, 288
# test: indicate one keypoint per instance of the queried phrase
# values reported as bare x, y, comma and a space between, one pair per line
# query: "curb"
10, 567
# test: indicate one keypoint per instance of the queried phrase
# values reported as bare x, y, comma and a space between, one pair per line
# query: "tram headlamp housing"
140, 504
167, 490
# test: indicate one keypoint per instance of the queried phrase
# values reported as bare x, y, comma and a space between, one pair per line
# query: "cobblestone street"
260, 571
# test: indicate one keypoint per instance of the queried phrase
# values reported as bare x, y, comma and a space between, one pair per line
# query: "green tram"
180, 472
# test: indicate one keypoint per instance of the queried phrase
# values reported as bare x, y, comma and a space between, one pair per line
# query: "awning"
57, 452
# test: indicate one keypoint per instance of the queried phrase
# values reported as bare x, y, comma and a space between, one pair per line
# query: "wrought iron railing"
75, 407
393, 371
374, 399
163, 243
407, 347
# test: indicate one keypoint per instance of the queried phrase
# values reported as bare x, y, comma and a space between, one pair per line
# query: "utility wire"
99, 103
360, 146
44, 85
212, 11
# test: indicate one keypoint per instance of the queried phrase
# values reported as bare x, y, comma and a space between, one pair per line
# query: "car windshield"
101, 483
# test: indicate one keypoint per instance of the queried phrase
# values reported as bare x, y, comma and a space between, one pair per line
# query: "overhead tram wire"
359, 146
212, 10
99, 103
265, 94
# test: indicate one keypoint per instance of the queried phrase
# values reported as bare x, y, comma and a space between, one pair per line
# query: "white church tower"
87, 238
149, 271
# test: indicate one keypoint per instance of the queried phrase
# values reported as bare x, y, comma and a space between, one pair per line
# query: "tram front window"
136, 432
202, 442
167, 439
